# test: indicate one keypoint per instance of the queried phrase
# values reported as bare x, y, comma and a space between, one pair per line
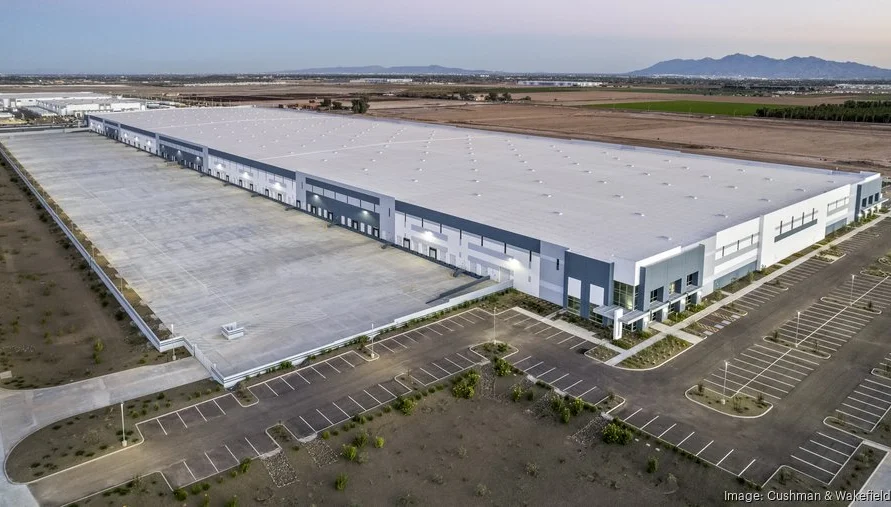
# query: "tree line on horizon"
869, 111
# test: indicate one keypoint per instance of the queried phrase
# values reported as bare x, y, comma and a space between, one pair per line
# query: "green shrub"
379, 442
340, 483
180, 494
502, 367
350, 452
360, 439
652, 465
405, 405
245, 465
613, 433
326, 435
517, 393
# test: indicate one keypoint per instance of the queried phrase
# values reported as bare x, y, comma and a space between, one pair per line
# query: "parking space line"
270, 388
553, 335
872, 381
451, 321
382, 344
545, 373
190, 470
434, 377
408, 335
588, 391
722, 459
287, 383
875, 390
465, 318
521, 360
634, 414
648, 422
581, 341
317, 371
441, 323
854, 416
870, 396
669, 429
435, 331
533, 366
252, 446
566, 339
325, 416
746, 468
542, 330
385, 389
851, 396
212, 463
573, 385
199, 413
557, 380
371, 396
441, 368
704, 448
468, 360
399, 342
456, 364
301, 376
233, 454
162, 426
347, 362
181, 419
304, 422
830, 448
328, 362
820, 456
861, 410
357, 403
342, 410
685, 438
837, 440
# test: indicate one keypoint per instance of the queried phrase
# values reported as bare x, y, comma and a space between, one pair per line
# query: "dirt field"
459, 452
57, 323
607, 95
818, 144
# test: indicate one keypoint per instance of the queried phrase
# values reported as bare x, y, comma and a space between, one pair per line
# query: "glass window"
654, 295
624, 295
573, 304
673, 287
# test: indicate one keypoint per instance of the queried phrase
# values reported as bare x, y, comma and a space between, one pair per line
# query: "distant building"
567, 84
14, 100
383, 80
79, 107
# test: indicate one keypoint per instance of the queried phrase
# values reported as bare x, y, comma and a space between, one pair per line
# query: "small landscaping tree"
615, 434
652, 464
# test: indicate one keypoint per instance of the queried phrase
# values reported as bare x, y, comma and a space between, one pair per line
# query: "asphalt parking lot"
824, 454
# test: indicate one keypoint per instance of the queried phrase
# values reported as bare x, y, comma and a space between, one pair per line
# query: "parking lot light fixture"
123, 430
797, 327
494, 321
371, 341
852, 290
724, 389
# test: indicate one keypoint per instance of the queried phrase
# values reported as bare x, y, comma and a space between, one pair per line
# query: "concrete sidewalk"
23, 412
880, 480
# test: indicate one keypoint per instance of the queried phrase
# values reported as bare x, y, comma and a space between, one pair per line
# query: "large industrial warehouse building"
617, 234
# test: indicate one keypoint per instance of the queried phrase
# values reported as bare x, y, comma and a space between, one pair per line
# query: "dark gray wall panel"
176, 142
252, 163
662, 273
343, 209
345, 191
589, 271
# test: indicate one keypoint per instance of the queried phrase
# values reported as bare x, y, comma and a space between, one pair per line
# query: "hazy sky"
202, 36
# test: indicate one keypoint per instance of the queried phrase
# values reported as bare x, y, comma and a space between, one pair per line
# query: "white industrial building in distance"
617, 234
15, 100
80, 107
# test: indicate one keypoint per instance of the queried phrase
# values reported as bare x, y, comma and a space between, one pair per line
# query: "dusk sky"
207, 36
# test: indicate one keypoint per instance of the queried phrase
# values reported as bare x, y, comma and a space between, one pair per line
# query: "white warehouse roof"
600, 200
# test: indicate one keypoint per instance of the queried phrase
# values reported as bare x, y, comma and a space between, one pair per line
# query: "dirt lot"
606, 96
57, 323
820, 144
459, 452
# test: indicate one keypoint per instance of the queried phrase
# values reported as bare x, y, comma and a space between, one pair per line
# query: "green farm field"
690, 106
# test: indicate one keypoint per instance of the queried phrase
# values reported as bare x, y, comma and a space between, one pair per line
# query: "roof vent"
558, 213
692, 197
477, 194
666, 184
365, 169
742, 170
618, 196
830, 181
414, 180
734, 187
722, 215
638, 213
764, 199
419, 169
668, 160
603, 182
475, 181
644, 174
325, 160
666, 238
531, 169
539, 181
685, 167
768, 179
546, 195
629, 165
799, 190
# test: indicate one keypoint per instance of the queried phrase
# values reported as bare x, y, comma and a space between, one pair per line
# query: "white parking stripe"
252, 446
553, 335
233, 454
722, 459
830, 448
212, 463
399, 343
870, 396
219, 407
648, 422
588, 391
521, 360
854, 416
181, 419
704, 448
286, 383
540, 375
634, 414
317, 371
861, 410
301, 376
270, 388
325, 416
347, 362
566, 339
342, 410
162, 426
388, 391
428, 373
384, 346
669, 429
685, 438
441, 323
357, 403
820, 456
190, 470
441, 368
468, 360
435, 331
852, 398
456, 364
746, 468
577, 382
199, 413
533, 366
371, 396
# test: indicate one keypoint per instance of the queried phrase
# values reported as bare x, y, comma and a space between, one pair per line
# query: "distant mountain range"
401, 70
745, 66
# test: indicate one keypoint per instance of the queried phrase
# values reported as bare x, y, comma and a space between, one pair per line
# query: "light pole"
797, 327
123, 430
724, 390
494, 320
852, 290
371, 341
